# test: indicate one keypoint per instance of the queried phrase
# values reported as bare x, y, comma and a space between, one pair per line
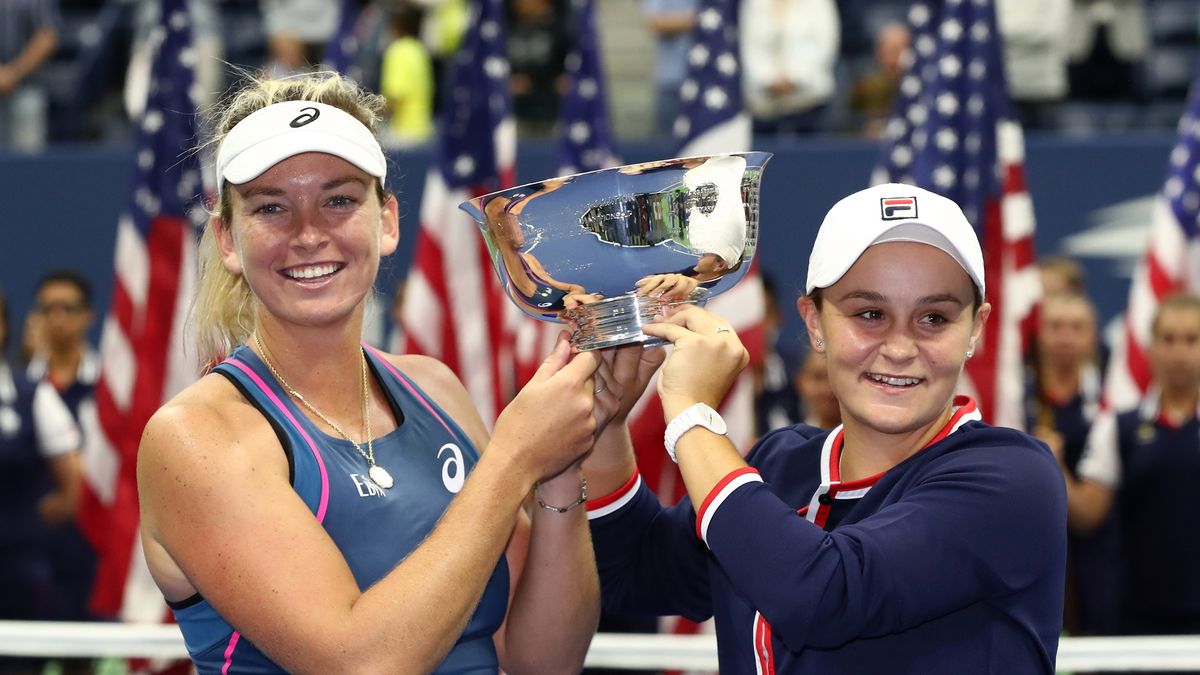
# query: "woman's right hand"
550, 423
707, 357
672, 286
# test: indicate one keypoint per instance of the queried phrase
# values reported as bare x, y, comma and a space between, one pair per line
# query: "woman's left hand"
707, 357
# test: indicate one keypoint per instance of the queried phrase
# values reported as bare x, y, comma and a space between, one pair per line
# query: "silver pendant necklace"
378, 474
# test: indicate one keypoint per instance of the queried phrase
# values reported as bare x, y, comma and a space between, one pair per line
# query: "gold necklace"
378, 474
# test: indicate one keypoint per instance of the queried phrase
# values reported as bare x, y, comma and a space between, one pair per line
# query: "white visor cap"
886, 213
282, 130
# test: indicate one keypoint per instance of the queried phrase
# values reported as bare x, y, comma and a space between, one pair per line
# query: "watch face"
714, 421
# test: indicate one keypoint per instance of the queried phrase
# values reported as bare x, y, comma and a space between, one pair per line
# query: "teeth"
311, 272
894, 381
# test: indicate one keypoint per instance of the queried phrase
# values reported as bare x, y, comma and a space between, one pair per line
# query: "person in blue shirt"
39, 491
313, 505
912, 538
1142, 466
1062, 400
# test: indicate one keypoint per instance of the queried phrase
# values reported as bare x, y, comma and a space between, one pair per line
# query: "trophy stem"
618, 321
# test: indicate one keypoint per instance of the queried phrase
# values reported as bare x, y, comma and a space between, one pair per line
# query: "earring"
970, 353
820, 343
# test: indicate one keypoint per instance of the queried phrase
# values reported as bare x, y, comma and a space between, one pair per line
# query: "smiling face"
307, 236
896, 328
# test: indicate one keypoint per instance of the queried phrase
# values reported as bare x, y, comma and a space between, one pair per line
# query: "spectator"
28, 37
818, 403
39, 478
1108, 44
789, 49
68, 362
537, 52
871, 98
1061, 275
406, 81
442, 27
671, 22
1035, 38
396, 337
63, 301
776, 403
206, 41
1145, 464
1063, 396
297, 31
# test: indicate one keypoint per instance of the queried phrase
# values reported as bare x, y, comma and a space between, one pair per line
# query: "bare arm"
613, 461
554, 606
704, 457
36, 52
666, 25
1088, 503
1090, 495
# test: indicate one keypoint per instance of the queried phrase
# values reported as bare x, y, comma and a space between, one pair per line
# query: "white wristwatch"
698, 415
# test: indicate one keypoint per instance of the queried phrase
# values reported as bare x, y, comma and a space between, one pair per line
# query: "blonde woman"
313, 505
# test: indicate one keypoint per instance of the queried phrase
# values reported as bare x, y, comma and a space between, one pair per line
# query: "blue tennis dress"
428, 456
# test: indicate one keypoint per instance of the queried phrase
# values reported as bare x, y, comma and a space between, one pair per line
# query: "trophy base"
618, 321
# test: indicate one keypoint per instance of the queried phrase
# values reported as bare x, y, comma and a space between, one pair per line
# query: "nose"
311, 232
899, 345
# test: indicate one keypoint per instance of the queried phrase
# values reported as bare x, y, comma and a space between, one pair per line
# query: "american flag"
1171, 263
953, 131
454, 307
142, 345
711, 121
341, 50
586, 141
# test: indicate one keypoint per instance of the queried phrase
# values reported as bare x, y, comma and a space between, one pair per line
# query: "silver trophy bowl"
605, 251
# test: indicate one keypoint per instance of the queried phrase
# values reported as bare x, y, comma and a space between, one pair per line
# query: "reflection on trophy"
605, 251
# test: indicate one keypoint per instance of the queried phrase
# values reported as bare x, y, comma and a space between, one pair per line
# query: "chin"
891, 419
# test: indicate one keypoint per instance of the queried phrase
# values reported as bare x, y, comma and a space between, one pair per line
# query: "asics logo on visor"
306, 115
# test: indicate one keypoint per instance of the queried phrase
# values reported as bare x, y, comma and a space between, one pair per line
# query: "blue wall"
62, 207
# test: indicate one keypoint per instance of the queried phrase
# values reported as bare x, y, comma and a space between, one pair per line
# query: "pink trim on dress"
233, 640
313, 446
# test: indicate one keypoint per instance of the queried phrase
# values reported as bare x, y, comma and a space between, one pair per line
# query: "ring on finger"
600, 387
722, 329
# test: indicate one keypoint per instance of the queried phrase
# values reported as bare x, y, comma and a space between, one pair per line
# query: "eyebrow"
873, 296
272, 191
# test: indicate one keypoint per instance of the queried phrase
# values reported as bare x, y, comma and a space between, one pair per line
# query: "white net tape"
609, 650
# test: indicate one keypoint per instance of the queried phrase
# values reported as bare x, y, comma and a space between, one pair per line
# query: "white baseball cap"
891, 212
282, 130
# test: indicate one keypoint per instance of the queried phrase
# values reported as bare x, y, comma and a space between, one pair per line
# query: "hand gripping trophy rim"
573, 249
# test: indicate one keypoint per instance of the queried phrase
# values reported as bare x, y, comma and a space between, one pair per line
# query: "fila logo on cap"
898, 208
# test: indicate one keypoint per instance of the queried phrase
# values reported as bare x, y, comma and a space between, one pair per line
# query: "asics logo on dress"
454, 473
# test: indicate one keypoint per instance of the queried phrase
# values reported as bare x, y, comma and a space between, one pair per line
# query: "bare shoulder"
207, 429
443, 386
211, 411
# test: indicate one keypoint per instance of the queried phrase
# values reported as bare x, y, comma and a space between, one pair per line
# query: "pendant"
380, 476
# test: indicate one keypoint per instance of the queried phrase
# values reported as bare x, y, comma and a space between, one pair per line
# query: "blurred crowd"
70, 70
